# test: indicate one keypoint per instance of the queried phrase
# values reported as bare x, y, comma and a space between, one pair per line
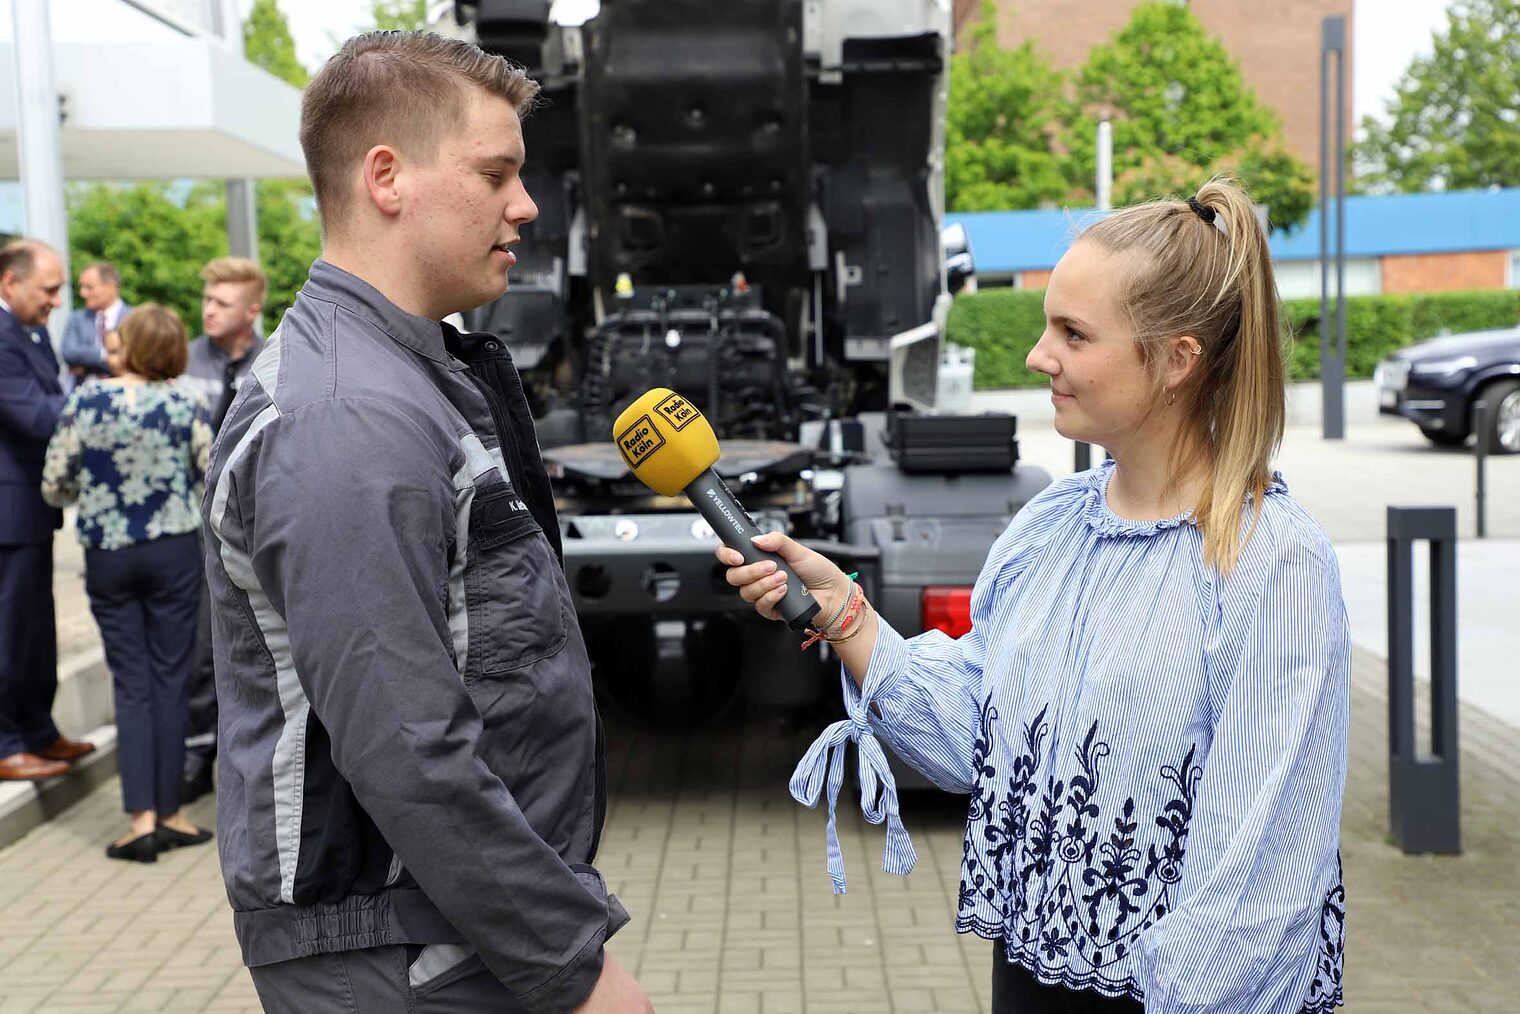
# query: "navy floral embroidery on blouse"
1023, 839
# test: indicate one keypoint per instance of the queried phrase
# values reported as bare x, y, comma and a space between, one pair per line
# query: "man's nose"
523, 210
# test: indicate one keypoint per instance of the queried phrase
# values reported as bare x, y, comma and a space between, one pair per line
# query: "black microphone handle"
735, 527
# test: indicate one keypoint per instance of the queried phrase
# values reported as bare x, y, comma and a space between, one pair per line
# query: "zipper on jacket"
499, 420
519, 476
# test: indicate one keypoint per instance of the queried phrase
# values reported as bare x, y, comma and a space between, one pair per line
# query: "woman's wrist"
832, 598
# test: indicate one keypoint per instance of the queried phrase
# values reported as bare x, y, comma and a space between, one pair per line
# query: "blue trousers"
144, 600
28, 648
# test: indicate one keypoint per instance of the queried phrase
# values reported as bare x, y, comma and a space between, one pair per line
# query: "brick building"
1435, 242
1276, 44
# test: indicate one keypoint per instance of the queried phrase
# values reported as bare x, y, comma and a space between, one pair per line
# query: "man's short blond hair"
404, 89
237, 269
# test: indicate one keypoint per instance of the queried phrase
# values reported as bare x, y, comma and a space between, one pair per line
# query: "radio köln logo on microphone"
679, 411
639, 441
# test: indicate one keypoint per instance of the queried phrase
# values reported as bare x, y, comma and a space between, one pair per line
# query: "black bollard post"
1084, 456
1483, 424
1423, 789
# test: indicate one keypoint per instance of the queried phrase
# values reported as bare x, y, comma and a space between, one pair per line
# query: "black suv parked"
1436, 383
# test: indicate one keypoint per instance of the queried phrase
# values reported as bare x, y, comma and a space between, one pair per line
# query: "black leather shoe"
142, 849
168, 838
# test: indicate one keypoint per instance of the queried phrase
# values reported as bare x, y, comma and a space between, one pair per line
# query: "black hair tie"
1209, 215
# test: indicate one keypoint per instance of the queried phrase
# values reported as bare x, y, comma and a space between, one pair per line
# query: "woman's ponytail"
1208, 274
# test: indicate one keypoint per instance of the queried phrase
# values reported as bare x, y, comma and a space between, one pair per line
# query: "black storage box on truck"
742, 202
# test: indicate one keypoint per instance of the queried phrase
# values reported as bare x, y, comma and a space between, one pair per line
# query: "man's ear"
382, 170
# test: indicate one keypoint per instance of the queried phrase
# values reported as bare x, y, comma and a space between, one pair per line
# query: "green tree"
157, 234
1181, 113
267, 43
1454, 121
1003, 111
289, 240
160, 235
400, 15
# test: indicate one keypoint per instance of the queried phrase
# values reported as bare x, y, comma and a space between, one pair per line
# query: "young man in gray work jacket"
411, 781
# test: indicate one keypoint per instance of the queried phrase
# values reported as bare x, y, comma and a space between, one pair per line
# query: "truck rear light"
947, 608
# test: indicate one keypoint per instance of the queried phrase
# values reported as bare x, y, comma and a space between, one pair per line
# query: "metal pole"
1332, 341
1340, 226
242, 219
1105, 175
1103, 183
40, 161
1084, 456
242, 206
1483, 424
1424, 789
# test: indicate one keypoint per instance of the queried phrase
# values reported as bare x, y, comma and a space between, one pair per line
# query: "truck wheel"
1441, 438
1503, 401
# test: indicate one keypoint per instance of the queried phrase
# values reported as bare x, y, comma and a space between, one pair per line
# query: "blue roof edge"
1376, 226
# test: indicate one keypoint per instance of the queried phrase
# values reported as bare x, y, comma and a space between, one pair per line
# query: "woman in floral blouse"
1149, 712
130, 453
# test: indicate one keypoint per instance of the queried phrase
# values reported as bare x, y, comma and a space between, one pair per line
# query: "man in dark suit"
84, 337
31, 281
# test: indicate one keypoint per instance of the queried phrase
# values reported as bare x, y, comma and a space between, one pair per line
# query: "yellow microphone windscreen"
666, 442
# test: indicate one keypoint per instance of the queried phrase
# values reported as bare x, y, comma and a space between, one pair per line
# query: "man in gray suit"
84, 337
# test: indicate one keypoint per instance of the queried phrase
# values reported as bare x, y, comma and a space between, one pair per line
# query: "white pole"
1105, 180
242, 210
37, 132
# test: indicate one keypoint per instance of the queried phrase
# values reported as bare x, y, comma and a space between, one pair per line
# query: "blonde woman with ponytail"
1150, 710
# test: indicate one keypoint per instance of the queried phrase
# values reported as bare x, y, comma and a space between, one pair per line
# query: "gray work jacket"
410, 751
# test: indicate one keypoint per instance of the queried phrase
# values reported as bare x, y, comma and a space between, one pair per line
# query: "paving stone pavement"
724, 875
732, 912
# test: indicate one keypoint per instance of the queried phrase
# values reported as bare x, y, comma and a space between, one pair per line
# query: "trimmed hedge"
1003, 325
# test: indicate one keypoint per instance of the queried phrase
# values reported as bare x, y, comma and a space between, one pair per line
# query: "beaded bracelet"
849, 596
857, 613
851, 610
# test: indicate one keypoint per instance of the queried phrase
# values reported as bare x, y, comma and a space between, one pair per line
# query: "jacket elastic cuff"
569, 987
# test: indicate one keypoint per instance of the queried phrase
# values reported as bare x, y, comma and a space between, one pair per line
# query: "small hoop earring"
1171, 398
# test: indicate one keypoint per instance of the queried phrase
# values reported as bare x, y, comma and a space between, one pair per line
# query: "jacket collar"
422, 336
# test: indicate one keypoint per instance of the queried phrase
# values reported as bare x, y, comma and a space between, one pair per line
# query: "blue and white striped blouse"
1155, 756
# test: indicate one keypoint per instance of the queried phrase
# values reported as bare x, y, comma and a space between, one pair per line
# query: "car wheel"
1503, 401
1443, 438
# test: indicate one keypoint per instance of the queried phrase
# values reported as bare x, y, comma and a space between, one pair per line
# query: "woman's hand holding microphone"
847, 621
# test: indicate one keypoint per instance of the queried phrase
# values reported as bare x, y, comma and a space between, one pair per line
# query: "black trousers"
144, 598
200, 725
28, 648
1015, 991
